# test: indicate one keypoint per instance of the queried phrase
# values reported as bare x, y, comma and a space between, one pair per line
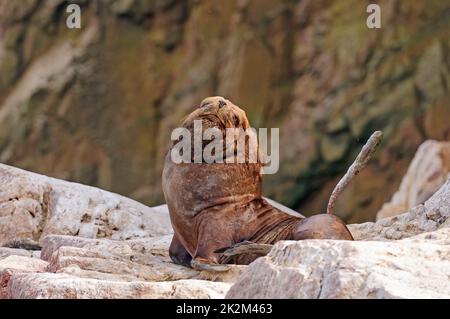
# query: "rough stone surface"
429, 169
33, 205
430, 216
345, 269
139, 259
155, 245
146, 267
5, 252
23, 263
17, 264
64, 286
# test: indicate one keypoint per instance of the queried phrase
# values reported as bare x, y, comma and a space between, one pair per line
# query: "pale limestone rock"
432, 215
17, 264
427, 172
76, 271
139, 259
51, 243
23, 263
148, 268
5, 252
440, 236
158, 246
64, 286
348, 269
33, 205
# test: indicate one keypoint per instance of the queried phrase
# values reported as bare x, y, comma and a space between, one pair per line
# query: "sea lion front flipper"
178, 253
211, 235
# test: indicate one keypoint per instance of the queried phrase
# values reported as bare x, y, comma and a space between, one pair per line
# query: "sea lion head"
219, 111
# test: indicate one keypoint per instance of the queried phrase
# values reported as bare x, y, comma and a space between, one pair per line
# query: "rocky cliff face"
97, 105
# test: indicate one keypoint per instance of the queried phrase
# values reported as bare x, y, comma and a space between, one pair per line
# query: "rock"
140, 259
427, 217
440, 236
5, 252
158, 246
147, 267
17, 264
23, 263
427, 172
154, 245
64, 286
33, 205
346, 269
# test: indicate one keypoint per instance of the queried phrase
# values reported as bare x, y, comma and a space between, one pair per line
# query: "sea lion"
217, 205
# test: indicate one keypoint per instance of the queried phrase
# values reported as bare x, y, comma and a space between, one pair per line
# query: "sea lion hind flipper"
245, 247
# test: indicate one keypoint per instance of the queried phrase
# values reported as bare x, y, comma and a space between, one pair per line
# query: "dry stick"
360, 162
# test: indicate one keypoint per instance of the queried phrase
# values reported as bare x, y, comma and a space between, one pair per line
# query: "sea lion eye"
205, 104
222, 103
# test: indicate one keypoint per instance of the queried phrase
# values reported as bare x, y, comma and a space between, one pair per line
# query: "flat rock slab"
5, 252
138, 260
152, 245
33, 205
346, 269
18, 264
64, 286
23, 263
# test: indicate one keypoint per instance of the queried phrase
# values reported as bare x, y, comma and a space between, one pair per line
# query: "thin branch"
360, 162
